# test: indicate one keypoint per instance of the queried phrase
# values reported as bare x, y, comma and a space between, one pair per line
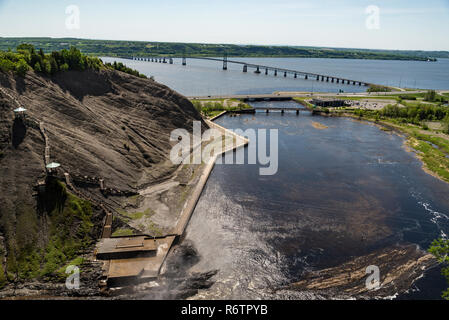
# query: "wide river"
340, 192
203, 78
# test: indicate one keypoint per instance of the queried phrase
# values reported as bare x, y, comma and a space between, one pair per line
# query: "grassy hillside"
140, 48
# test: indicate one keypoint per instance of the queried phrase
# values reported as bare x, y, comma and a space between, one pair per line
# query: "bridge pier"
257, 71
296, 76
332, 80
184, 61
268, 111
306, 77
360, 83
266, 70
245, 68
322, 78
163, 61
275, 73
327, 79
282, 111
338, 80
353, 83
317, 78
225, 62
171, 60
285, 74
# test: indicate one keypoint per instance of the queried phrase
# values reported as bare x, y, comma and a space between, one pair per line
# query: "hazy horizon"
358, 24
215, 43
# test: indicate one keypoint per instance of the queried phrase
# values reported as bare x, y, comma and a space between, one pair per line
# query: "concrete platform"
122, 248
138, 268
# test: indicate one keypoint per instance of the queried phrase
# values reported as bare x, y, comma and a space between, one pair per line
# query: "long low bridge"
259, 69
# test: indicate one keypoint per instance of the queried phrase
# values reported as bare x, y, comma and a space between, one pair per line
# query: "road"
287, 94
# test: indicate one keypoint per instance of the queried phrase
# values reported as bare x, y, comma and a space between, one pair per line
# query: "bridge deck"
328, 78
279, 109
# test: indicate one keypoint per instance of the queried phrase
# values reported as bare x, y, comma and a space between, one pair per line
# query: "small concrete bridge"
269, 109
282, 110
260, 69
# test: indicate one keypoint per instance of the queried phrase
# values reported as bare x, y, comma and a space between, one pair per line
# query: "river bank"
286, 226
433, 154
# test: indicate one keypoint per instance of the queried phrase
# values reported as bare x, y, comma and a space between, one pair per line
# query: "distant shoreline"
120, 48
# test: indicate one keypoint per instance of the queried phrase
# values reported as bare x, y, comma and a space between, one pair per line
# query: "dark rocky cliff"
100, 125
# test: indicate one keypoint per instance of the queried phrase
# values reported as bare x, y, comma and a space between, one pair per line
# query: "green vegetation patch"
145, 49
71, 228
304, 102
136, 215
26, 57
440, 249
123, 232
377, 88
434, 159
212, 108
68, 226
121, 67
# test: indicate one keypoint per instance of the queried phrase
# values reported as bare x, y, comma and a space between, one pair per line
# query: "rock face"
399, 266
100, 125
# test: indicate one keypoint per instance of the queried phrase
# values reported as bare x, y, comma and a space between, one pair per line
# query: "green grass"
434, 159
136, 215
213, 107
304, 102
212, 114
78, 261
123, 232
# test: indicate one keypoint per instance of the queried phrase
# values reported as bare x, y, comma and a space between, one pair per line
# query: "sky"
386, 24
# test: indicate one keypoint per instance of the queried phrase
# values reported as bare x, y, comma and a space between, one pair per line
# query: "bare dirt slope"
101, 124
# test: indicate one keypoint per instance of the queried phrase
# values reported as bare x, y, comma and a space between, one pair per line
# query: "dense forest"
139, 48
26, 57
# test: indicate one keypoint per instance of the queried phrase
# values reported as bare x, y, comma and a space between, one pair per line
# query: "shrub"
376, 88
22, 67
121, 67
430, 95
26, 57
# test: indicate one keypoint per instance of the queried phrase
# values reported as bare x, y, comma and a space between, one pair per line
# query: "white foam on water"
220, 230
